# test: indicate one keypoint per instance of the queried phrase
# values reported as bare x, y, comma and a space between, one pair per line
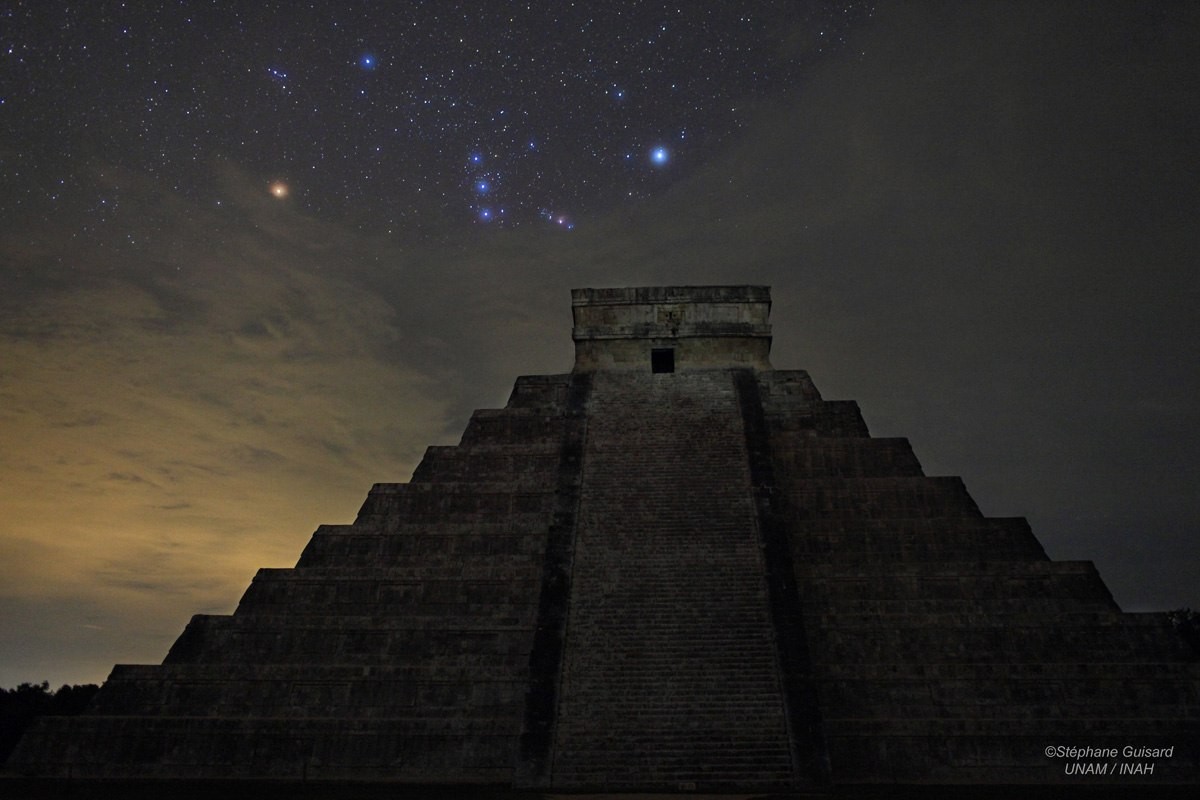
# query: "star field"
392, 115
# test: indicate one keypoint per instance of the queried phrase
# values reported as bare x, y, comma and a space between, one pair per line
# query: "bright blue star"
485, 214
476, 158
659, 156
366, 61
482, 186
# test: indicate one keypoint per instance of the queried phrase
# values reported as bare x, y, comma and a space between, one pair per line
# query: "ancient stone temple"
673, 568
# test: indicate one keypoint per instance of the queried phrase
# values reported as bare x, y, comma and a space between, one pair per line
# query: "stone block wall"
705, 327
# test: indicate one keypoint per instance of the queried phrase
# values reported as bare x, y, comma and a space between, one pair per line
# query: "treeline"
21, 706
1187, 623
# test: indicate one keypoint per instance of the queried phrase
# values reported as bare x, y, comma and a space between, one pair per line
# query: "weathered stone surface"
673, 569
670, 674
702, 326
947, 647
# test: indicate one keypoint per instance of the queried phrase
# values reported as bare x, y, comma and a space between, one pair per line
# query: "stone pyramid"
674, 568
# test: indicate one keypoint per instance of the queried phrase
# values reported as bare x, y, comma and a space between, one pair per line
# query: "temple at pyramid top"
672, 328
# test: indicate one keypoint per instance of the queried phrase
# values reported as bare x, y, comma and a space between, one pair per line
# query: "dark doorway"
662, 359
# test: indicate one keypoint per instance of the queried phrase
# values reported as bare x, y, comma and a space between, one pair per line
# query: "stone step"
456, 502
345, 640
966, 587
444, 570
540, 392
453, 617
1013, 707
511, 464
1157, 670
878, 498
787, 385
832, 418
906, 573
472, 696
425, 617
835, 544
1045, 640
413, 546
495, 426
333, 673
823, 612
368, 700
819, 457
391, 592
439, 749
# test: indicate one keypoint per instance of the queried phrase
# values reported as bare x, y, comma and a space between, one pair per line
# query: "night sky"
256, 257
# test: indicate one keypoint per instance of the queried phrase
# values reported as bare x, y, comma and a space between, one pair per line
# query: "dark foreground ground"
13, 788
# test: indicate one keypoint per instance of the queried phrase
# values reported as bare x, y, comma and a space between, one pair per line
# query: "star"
561, 220
279, 189
659, 156
366, 61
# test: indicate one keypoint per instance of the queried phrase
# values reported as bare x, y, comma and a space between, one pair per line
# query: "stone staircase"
670, 677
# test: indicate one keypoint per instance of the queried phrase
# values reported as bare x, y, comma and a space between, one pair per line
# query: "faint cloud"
128, 477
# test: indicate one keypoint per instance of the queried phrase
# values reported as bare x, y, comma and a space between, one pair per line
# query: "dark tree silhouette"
1187, 623
20, 706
